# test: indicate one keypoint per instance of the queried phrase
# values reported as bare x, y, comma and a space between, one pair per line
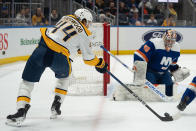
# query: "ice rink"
91, 113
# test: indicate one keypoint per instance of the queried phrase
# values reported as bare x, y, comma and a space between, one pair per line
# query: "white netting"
86, 80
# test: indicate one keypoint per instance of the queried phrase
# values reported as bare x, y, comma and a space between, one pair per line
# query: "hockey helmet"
169, 37
82, 14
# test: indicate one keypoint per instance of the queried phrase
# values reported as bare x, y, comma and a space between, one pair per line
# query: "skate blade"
14, 124
53, 116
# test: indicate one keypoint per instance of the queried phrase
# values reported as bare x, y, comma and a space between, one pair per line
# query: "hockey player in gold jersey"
55, 47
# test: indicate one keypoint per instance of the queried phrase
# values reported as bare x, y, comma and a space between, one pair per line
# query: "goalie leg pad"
140, 72
181, 74
119, 93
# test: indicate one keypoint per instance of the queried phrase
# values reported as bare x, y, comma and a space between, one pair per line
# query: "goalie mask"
169, 38
84, 14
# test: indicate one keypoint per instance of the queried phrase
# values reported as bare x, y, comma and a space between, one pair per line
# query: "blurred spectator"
20, 17
28, 15
123, 9
138, 23
4, 12
169, 21
100, 4
134, 9
134, 19
102, 18
112, 8
107, 2
38, 18
152, 21
172, 10
55, 17
107, 13
130, 3
148, 8
89, 4
157, 9
123, 19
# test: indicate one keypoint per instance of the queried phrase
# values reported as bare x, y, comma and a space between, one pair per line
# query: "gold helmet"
169, 37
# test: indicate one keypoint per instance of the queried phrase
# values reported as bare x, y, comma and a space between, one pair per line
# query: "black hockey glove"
173, 68
101, 67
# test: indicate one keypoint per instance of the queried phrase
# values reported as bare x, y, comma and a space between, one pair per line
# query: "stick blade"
166, 117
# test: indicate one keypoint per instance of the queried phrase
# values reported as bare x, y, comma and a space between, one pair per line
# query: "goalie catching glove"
180, 73
101, 67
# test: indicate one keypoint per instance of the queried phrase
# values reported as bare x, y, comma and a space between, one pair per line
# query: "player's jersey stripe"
53, 45
143, 55
193, 84
23, 98
60, 91
92, 62
83, 26
174, 63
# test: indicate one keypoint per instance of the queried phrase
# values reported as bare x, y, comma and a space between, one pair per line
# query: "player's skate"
17, 118
55, 109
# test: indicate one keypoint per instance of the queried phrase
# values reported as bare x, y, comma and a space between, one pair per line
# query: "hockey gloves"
179, 73
101, 67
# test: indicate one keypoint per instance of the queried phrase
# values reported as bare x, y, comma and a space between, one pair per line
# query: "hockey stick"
167, 117
147, 83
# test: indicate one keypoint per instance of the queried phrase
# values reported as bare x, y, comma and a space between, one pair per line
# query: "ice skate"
55, 109
17, 118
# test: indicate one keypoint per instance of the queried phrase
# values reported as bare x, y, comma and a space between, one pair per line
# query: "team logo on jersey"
158, 33
166, 61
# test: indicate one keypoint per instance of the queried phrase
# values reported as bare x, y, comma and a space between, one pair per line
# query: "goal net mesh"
85, 80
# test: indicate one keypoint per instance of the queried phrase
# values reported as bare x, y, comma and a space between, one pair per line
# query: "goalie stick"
147, 83
167, 117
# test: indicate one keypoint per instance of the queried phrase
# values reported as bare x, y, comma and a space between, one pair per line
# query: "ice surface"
90, 113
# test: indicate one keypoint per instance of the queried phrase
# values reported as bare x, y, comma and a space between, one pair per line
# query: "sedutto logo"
3, 42
158, 33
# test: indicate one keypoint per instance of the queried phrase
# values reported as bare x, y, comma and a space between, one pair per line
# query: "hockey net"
85, 80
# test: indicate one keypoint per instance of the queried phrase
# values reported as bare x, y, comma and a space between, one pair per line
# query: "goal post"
106, 40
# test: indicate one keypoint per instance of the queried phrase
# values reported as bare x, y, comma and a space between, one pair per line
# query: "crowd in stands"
130, 13
24, 16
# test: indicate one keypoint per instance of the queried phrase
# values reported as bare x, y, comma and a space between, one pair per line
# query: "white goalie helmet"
169, 37
84, 14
